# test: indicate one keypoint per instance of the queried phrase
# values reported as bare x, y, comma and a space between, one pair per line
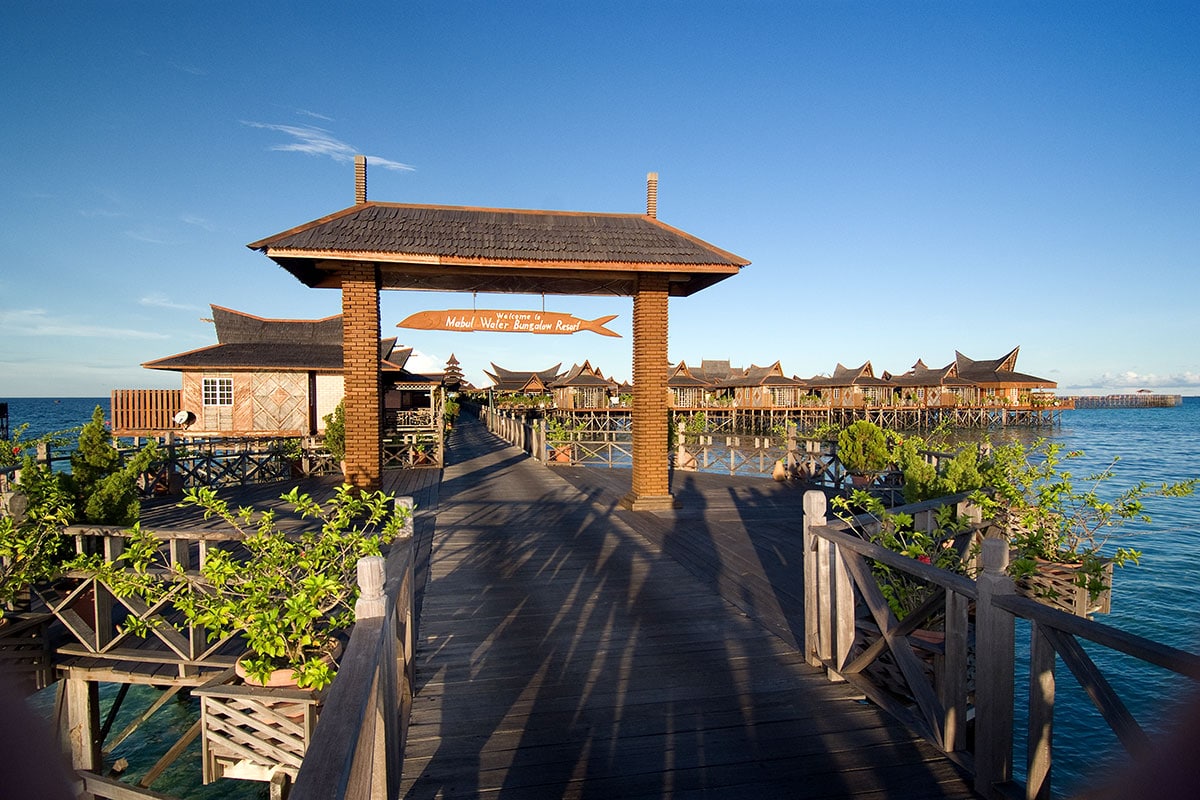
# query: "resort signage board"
505, 321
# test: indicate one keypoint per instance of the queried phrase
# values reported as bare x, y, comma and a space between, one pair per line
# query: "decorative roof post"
651, 479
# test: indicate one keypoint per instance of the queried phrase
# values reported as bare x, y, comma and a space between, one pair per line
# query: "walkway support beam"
651, 484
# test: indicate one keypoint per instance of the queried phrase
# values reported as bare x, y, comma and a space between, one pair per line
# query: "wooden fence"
936, 680
144, 411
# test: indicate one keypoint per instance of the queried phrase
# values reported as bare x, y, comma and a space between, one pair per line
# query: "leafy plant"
32, 545
450, 412
923, 480
560, 432
905, 592
863, 449
103, 480
1050, 516
335, 432
287, 594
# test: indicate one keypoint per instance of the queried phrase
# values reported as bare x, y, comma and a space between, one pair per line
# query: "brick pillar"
360, 365
651, 480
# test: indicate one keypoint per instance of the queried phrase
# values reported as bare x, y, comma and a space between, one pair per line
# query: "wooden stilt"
83, 723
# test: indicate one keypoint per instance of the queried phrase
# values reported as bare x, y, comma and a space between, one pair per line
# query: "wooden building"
513, 383
850, 387
764, 387
269, 377
932, 388
583, 387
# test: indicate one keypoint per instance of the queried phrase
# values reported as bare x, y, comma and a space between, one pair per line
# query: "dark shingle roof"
499, 234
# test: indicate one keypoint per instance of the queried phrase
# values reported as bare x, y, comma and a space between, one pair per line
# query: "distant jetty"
1139, 400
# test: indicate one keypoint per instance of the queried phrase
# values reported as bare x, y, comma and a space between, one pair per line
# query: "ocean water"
1159, 599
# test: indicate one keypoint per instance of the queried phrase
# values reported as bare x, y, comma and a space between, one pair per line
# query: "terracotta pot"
283, 677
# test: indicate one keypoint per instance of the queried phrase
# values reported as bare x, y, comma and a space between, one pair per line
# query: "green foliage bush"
335, 432
863, 448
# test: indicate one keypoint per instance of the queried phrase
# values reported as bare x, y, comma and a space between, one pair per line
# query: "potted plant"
294, 593
559, 436
864, 451
1059, 530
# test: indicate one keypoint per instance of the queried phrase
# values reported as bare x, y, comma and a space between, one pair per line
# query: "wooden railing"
357, 749
90, 610
927, 680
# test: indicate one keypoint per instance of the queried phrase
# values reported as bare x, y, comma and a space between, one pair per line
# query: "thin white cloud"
197, 221
304, 112
149, 235
101, 212
162, 301
37, 322
314, 141
190, 70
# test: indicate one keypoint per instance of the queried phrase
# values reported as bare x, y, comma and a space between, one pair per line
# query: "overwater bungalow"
850, 387
687, 389
924, 387
523, 387
764, 387
999, 383
269, 377
583, 386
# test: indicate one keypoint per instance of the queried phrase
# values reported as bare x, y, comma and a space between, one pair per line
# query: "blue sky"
907, 179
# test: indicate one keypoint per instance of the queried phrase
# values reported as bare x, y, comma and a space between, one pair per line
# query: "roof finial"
652, 195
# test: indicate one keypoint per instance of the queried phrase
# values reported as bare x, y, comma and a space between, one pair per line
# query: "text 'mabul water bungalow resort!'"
319, 570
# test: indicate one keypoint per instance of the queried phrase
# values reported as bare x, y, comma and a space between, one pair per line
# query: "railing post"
371, 602
814, 516
994, 647
1041, 714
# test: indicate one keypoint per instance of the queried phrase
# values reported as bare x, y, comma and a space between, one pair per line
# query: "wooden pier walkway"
570, 649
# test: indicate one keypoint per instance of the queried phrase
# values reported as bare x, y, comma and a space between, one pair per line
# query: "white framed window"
218, 391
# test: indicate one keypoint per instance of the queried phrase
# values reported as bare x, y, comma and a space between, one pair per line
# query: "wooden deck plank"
572, 649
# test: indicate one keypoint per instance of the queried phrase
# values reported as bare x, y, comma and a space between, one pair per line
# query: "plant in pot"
560, 436
895, 531
335, 435
864, 451
1060, 528
293, 593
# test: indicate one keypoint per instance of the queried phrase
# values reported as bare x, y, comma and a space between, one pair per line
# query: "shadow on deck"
571, 649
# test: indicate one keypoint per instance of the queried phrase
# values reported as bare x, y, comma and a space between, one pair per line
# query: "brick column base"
651, 489
360, 364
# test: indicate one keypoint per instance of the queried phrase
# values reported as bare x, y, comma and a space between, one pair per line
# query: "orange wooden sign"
503, 321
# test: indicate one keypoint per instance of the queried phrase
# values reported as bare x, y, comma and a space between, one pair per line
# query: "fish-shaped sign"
499, 321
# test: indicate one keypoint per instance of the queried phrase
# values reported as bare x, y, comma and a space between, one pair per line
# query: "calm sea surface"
1159, 599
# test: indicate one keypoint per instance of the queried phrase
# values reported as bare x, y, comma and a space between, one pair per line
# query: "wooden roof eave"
321, 269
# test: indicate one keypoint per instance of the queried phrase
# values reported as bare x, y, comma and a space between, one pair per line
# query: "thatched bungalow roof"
522, 381
921, 376
999, 372
847, 376
581, 375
